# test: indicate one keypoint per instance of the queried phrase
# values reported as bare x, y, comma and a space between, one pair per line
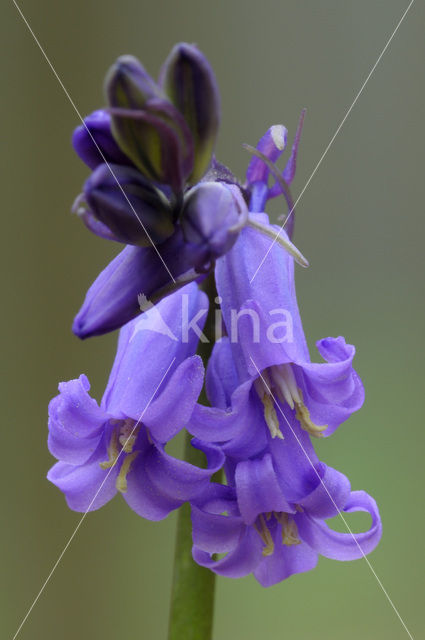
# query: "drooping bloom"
119, 446
261, 371
278, 492
234, 541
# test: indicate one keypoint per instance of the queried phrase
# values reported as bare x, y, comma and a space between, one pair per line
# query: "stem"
192, 596
192, 592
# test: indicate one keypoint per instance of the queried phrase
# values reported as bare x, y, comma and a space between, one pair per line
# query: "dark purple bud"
94, 142
129, 205
147, 127
128, 85
188, 79
213, 215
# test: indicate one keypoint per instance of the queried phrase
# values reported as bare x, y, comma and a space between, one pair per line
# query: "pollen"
303, 416
113, 452
128, 434
270, 414
289, 529
286, 387
122, 441
121, 483
265, 535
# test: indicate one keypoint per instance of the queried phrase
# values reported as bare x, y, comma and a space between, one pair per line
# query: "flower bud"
94, 142
189, 82
114, 297
146, 126
128, 85
129, 205
213, 214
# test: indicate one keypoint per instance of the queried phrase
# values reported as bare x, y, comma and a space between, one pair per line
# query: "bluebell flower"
262, 371
119, 445
234, 538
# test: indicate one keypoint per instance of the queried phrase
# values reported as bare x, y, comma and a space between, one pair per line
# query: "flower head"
120, 445
261, 374
277, 543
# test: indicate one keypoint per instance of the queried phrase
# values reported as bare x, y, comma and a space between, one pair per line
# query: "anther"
289, 529
112, 452
303, 416
262, 387
284, 380
128, 435
265, 536
121, 482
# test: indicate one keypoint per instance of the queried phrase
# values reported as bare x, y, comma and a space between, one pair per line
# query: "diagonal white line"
53, 569
333, 502
91, 136
334, 136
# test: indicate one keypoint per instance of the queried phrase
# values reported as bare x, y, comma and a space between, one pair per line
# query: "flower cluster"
157, 188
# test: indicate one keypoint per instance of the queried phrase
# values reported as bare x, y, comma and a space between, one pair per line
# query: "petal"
330, 495
236, 419
261, 317
342, 546
332, 390
170, 412
272, 145
221, 377
76, 422
286, 561
252, 438
258, 490
238, 563
241, 429
294, 459
151, 347
178, 479
290, 168
86, 487
215, 533
144, 497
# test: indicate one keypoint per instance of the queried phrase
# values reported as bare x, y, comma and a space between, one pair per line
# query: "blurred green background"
360, 222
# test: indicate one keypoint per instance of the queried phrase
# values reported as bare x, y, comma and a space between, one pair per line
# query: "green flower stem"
192, 595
